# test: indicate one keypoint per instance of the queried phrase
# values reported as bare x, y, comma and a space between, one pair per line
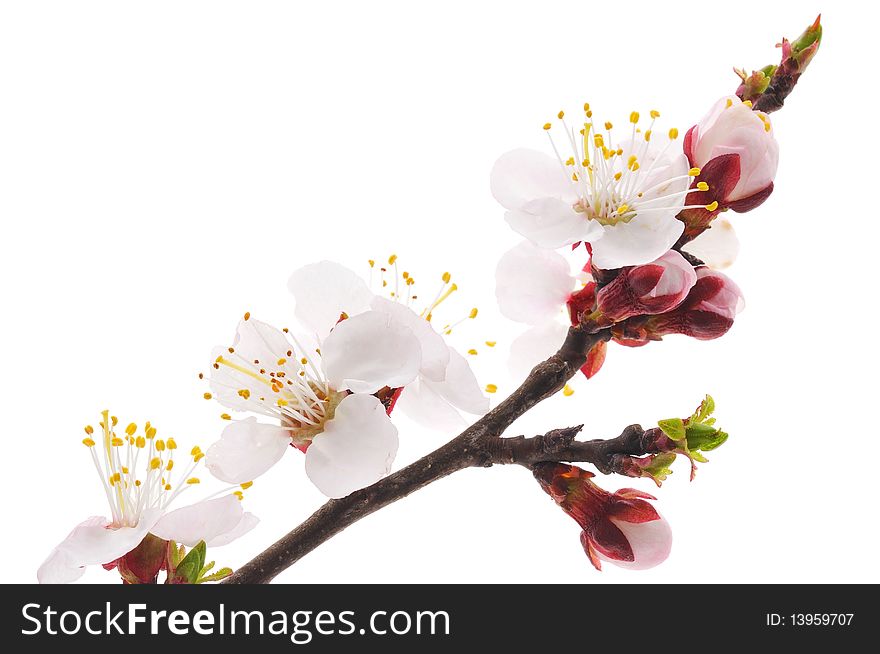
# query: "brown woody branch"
478, 445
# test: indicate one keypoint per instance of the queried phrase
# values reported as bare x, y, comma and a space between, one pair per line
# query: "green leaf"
674, 428
696, 456
718, 441
222, 573
659, 468
191, 565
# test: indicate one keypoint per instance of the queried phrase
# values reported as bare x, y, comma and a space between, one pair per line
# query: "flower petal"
520, 176
552, 223
651, 543
369, 351
323, 291
533, 346
205, 520
645, 238
717, 247
356, 448
248, 521
435, 352
420, 403
59, 568
95, 542
460, 387
246, 450
532, 284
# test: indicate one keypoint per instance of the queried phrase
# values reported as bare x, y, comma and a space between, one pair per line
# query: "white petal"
254, 341
717, 247
369, 351
59, 568
356, 448
651, 543
94, 542
435, 353
420, 403
533, 346
552, 223
460, 388
520, 176
643, 239
248, 521
532, 284
323, 291
246, 450
205, 520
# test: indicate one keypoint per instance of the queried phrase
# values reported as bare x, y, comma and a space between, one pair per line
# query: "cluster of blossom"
622, 233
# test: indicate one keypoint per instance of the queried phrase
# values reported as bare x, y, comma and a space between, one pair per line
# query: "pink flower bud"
621, 528
653, 288
706, 313
732, 128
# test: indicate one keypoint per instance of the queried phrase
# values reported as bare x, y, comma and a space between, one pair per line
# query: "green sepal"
674, 428
221, 574
187, 571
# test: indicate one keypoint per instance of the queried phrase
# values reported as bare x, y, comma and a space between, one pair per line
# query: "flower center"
118, 458
614, 183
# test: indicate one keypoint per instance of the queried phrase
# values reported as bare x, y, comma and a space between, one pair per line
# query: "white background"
165, 166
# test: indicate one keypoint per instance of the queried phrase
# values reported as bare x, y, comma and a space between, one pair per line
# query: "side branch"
473, 447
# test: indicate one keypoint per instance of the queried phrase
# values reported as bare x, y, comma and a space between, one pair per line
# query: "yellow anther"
140, 442
115, 478
282, 361
622, 209
560, 115
207, 396
392, 259
589, 114
712, 206
247, 315
702, 186
586, 106
473, 313
632, 159
115, 421
239, 495
195, 450
88, 442
124, 470
766, 125
598, 141
729, 103
137, 482
116, 442
282, 401
372, 263
160, 445
574, 177
491, 388
446, 277
647, 135
169, 465
569, 161
167, 487
618, 175
225, 416
634, 117
694, 172
193, 480
155, 462
747, 103
131, 429
655, 114
246, 485
547, 126
472, 352
89, 430
171, 443
608, 125
244, 393
568, 391
150, 432
491, 343
673, 133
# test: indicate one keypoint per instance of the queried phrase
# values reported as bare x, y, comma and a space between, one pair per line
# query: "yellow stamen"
160, 445
392, 259
634, 117
473, 313
491, 388
712, 206
655, 113
568, 391
131, 429
207, 396
155, 462
225, 416
702, 186
560, 115
673, 133
472, 352
88, 442
491, 343
246, 485
193, 480
547, 126
171, 443
694, 172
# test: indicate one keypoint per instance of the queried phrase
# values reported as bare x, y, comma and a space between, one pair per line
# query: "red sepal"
595, 359
608, 540
591, 553
754, 200
635, 511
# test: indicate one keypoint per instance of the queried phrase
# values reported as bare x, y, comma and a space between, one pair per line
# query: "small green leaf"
718, 441
222, 573
191, 565
659, 468
696, 456
674, 428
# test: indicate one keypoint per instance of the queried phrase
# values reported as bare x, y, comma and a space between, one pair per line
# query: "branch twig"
478, 445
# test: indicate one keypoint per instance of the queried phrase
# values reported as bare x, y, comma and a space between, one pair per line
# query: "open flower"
141, 478
329, 393
621, 198
621, 528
